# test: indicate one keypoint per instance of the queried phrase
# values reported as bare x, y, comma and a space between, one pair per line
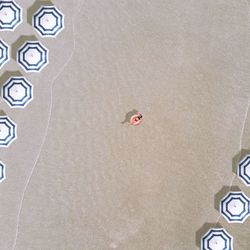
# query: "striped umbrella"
243, 170
217, 239
2, 171
33, 56
4, 53
48, 21
7, 131
10, 15
235, 207
17, 92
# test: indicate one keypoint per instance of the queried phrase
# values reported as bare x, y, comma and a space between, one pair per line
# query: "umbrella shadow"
34, 8
6, 75
237, 158
128, 116
2, 113
203, 230
221, 194
19, 42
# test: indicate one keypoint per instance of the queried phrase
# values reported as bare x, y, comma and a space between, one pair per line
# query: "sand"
80, 179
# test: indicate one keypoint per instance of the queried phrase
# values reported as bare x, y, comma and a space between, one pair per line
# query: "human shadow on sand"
34, 8
203, 230
19, 42
6, 75
128, 116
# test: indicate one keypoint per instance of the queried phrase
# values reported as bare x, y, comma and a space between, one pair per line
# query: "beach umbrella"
32, 56
235, 207
2, 171
4, 53
217, 239
10, 15
48, 21
17, 92
7, 131
243, 170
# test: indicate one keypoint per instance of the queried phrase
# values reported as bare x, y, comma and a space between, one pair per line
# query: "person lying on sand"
136, 119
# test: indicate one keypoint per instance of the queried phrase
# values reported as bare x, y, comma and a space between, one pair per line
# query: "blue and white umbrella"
2, 171
7, 131
48, 21
4, 53
33, 56
17, 92
10, 15
217, 239
235, 207
243, 170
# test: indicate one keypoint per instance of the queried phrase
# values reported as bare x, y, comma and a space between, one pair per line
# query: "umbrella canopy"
2, 171
32, 56
7, 131
10, 15
48, 21
244, 170
217, 239
4, 53
17, 92
235, 207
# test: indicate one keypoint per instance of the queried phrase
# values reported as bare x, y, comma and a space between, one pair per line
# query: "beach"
78, 178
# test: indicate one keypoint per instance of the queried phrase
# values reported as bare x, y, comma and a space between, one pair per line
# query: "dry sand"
98, 184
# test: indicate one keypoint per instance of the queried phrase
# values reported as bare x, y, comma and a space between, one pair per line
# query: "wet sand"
79, 179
